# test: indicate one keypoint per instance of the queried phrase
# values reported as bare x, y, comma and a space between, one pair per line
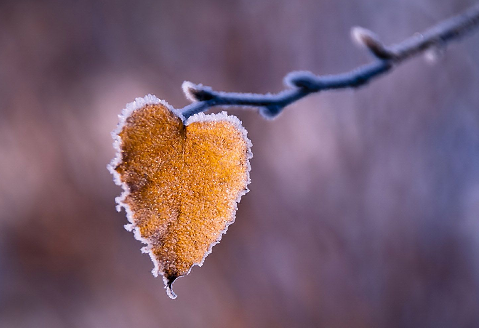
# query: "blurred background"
364, 205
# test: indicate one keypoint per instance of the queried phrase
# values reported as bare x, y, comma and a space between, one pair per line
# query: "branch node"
304, 80
368, 39
197, 92
271, 111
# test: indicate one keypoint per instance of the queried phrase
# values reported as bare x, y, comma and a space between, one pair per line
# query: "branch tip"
196, 92
368, 39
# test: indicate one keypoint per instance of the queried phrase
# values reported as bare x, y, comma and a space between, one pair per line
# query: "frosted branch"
304, 83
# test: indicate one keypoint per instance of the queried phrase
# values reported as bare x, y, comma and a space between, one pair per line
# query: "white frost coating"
188, 87
200, 117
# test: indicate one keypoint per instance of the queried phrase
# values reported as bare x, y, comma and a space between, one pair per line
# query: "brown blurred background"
364, 205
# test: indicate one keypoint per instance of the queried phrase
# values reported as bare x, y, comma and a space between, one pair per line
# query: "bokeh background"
364, 205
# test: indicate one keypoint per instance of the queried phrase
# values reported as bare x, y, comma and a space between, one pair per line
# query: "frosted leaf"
181, 182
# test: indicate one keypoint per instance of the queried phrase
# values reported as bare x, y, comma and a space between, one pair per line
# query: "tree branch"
304, 83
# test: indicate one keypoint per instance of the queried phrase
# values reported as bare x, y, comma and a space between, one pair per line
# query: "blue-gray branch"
304, 83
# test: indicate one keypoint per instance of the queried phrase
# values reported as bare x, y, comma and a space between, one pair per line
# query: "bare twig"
304, 83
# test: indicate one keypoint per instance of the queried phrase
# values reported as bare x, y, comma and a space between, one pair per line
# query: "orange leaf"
181, 182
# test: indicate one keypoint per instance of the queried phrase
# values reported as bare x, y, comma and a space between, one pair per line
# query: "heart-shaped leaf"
181, 182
